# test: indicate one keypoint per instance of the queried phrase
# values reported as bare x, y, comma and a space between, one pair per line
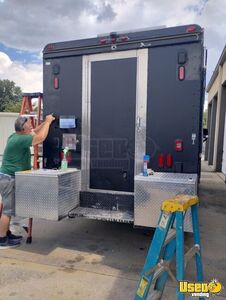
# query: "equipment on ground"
168, 241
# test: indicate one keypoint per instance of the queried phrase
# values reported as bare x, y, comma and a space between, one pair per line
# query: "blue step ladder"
167, 241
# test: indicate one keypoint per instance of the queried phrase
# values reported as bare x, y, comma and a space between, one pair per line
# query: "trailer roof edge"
189, 29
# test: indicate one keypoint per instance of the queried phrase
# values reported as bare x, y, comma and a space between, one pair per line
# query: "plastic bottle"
145, 166
64, 163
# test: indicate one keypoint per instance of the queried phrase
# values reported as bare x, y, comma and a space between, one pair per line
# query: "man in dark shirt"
17, 157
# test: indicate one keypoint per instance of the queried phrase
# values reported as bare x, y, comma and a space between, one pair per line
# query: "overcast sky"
26, 26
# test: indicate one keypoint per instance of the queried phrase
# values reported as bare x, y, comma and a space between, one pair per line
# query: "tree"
13, 106
10, 95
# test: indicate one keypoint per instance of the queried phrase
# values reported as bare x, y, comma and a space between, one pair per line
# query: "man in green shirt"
17, 157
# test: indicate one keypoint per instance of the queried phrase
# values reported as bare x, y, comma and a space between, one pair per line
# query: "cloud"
106, 13
30, 25
5, 62
198, 8
27, 76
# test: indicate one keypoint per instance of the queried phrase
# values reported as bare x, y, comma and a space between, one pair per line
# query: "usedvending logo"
201, 289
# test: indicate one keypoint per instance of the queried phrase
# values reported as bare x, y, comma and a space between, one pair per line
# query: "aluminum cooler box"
151, 191
47, 194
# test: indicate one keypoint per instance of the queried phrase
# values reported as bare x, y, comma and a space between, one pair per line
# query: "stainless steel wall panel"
141, 109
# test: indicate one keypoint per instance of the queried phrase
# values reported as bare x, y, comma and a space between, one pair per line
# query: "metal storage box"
151, 191
47, 194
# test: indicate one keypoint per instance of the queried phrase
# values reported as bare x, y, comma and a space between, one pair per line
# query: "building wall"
214, 89
215, 150
6, 128
223, 80
224, 150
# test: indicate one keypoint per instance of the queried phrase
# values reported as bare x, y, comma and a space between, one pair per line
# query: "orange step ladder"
27, 111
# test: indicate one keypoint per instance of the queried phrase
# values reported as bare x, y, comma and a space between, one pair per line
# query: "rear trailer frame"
121, 96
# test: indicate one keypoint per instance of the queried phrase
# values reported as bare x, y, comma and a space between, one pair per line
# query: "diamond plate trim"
47, 194
101, 214
151, 191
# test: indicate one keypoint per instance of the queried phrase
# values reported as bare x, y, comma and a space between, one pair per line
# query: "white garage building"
215, 152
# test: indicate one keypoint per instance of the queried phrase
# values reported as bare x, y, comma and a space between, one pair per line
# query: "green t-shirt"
17, 154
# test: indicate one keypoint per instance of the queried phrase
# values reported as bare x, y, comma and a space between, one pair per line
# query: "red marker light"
160, 160
50, 46
124, 38
169, 161
56, 83
191, 29
181, 73
103, 41
179, 145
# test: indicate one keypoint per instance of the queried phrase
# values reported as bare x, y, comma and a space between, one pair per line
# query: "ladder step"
158, 272
163, 266
190, 253
155, 295
171, 235
30, 115
33, 95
